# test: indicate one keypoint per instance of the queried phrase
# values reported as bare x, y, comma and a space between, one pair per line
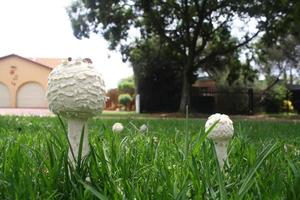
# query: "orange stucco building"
23, 81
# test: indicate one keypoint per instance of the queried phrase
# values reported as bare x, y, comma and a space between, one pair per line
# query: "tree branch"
218, 52
158, 25
265, 91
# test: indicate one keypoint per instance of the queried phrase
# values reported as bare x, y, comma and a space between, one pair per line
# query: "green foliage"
287, 106
279, 59
127, 85
124, 99
275, 97
34, 164
197, 32
282, 21
232, 72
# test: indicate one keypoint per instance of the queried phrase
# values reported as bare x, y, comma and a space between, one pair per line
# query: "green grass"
173, 160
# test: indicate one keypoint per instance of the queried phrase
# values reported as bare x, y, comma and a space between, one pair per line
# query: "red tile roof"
51, 62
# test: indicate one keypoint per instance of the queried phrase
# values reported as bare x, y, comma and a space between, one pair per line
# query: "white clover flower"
117, 127
144, 128
220, 134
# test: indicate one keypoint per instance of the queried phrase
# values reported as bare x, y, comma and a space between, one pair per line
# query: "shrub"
274, 98
127, 85
124, 99
287, 106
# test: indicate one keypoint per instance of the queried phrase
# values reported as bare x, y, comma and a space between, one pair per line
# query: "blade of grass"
205, 134
248, 181
93, 191
80, 148
187, 136
66, 133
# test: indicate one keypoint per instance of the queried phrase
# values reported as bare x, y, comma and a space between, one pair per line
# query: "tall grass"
174, 160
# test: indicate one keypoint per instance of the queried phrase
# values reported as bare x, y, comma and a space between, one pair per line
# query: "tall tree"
197, 30
278, 61
278, 50
157, 75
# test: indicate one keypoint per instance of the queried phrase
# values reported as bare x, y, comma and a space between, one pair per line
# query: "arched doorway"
4, 96
31, 95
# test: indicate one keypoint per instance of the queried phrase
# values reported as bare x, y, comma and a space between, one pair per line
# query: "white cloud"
41, 28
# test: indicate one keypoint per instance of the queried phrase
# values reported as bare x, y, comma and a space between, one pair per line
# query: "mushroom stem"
75, 127
221, 150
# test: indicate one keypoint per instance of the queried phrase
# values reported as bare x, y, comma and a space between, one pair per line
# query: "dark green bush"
124, 99
274, 98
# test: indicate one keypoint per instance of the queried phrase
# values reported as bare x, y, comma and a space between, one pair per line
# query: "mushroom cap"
223, 129
117, 127
76, 89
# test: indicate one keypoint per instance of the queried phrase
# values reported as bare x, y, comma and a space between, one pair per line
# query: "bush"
287, 106
124, 99
127, 85
274, 98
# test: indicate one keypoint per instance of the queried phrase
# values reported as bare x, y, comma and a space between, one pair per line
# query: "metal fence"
233, 101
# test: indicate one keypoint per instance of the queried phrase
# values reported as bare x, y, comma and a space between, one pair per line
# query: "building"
205, 84
23, 81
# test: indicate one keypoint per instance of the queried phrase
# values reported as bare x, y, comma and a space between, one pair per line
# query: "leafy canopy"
198, 32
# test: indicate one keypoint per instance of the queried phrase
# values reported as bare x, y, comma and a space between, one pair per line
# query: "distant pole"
250, 100
137, 103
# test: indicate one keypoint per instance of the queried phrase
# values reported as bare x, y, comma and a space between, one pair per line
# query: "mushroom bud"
117, 127
76, 91
144, 128
220, 134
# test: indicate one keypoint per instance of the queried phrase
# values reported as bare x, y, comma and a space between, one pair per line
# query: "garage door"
4, 96
31, 95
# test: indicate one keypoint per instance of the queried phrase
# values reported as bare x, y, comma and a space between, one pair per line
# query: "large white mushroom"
220, 134
76, 91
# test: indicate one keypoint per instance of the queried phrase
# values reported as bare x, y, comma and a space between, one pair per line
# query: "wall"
16, 71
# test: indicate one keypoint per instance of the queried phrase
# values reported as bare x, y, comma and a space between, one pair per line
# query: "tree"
230, 71
278, 50
279, 59
283, 20
157, 75
127, 85
198, 31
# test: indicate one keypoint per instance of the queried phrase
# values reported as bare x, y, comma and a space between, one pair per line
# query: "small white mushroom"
144, 128
220, 134
76, 91
117, 127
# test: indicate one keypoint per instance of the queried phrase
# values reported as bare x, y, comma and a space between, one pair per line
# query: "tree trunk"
185, 92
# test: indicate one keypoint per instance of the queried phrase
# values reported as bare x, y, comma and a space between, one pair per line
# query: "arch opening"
31, 95
4, 96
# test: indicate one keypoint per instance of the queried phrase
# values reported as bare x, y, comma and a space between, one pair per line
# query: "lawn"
173, 160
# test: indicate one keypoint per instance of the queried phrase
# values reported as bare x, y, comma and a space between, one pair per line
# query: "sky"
41, 28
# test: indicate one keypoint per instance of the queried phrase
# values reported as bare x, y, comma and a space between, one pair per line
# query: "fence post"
137, 103
250, 101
